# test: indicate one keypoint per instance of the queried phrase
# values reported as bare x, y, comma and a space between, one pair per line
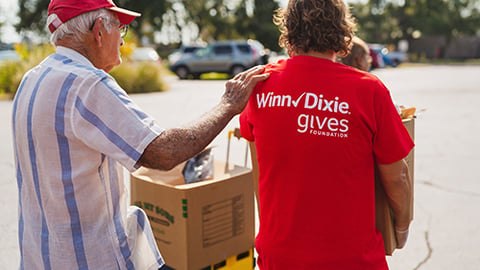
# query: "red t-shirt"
319, 127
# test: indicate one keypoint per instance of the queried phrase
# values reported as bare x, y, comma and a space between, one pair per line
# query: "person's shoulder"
361, 79
355, 73
88, 70
72, 62
277, 66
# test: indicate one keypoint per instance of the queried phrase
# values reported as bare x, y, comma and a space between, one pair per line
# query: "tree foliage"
383, 21
262, 23
33, 15
152, 12
227, 19
214, 19
388, 21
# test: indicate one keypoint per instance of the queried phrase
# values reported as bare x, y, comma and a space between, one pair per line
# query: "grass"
215, 76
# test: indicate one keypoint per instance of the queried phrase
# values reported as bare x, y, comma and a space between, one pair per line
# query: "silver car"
183, 51
230, 57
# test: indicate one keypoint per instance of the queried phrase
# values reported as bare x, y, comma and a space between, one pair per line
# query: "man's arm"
396, 182
176, 145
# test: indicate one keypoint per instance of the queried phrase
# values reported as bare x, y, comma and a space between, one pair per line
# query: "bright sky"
8, 11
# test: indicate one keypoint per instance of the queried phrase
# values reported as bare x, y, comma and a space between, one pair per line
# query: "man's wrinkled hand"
239, 88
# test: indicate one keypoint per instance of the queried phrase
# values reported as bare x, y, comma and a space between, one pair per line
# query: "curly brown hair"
315, 25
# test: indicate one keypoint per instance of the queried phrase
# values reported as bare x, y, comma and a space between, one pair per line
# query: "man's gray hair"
75, 28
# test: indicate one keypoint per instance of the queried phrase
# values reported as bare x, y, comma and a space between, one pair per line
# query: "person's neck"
85, 49
330, 55
71, 45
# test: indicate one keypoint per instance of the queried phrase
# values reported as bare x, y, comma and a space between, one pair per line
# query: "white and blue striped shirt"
73, 126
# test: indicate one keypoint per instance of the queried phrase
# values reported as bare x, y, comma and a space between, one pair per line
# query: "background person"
319, 128
359, 56
74, 128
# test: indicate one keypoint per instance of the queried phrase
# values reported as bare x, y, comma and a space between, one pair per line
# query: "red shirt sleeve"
246, 129
391, 139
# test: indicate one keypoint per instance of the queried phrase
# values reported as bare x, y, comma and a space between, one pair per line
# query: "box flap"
175, 179
170, 178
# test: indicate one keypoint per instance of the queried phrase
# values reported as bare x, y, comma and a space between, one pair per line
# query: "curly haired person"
320, 128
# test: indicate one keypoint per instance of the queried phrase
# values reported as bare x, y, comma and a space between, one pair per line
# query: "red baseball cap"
67, 9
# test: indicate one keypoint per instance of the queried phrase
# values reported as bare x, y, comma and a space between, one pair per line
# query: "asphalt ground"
446, 228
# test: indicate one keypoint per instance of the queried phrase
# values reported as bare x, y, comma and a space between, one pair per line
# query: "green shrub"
140, 77
133, 77
11, 74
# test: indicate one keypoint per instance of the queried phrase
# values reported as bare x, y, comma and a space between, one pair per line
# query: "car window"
244, 48
190, 49
203, 51
222, 49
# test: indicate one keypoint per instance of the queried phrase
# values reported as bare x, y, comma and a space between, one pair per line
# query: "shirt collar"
74, 55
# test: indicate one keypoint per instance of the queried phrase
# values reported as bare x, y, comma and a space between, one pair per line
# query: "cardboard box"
198, 224
384, 220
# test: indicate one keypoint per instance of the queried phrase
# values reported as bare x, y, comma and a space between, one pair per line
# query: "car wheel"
237, 69
182, 72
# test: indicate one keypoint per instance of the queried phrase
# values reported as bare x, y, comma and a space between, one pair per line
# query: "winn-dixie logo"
313, 124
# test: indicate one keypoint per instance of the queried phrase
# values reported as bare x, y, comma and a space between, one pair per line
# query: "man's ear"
97, 31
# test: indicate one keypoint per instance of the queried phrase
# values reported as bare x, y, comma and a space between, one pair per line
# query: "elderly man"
73, 128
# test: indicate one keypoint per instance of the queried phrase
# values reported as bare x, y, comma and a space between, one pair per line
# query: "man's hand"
179, 144
238, 89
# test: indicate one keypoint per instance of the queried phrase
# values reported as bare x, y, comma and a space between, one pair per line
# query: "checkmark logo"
295, 103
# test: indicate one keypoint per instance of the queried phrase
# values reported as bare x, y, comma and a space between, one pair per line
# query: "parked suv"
183, 51
230, 57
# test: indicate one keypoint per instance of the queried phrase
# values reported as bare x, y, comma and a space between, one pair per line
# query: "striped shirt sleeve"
105, 118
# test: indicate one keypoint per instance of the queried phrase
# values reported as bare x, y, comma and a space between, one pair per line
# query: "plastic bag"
199, 167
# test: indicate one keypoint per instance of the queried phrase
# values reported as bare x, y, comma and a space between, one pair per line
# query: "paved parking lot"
446, 228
